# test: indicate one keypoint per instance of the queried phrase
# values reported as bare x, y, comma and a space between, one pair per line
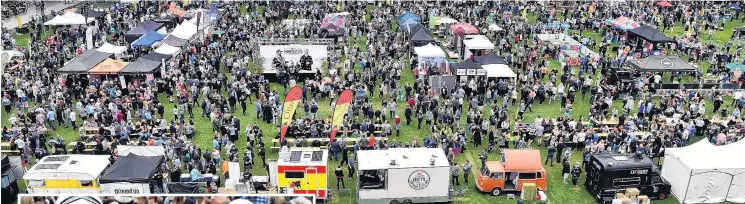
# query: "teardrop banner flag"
340, 109
292, 99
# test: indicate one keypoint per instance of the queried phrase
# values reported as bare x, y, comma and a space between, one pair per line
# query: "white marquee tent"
477, 43
698, 177
167, 49
69, 18
185, 31
147, 151
498, 71
429, 50
113, 49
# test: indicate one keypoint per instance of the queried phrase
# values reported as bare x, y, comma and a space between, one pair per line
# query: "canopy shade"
498, 71
145, 64
423, 36
650, 34
408, 16
149, 39
467, 64
82, 63
185, 31
69, 18
662, 64
142, 29
478, 42
467, 28
429, 50
174, 41
664, 3
408, 23
490, 58
113, 49
446, 20
95, 14
167, 49
108, 66
133, 169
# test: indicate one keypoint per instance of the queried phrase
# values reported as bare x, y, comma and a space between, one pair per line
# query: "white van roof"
404, 158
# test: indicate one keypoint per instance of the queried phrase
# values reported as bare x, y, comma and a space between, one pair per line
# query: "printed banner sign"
340, 109
293, 98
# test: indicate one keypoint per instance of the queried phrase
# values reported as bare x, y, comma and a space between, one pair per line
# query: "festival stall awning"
664, 3
167, 49
467, 64
174, 41
407, 24
478, 42
498, 71
446, 20
423, 36
429, 50
408, 16
650, 34
69, 18
490, 58
495, 27
623, 23
149, 39
467, 28
108, 66
132, 169
145, 64
95, 14
82, 63
113, 49
142, 29
185, 31
662, 64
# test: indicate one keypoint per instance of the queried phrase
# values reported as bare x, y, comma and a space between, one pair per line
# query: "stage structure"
301, 56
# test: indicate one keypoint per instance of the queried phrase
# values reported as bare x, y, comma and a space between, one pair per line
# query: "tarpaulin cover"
650, 34
174, 41
185, 188
662, 64
149, 39
133, 169
490, 58
84, 62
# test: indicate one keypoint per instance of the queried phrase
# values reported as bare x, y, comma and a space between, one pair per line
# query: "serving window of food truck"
608, 174
518, 167
66, 174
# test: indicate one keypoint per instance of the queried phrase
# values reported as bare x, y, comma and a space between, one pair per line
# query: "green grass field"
558, 192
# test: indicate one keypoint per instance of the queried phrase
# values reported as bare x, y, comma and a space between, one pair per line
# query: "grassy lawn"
558, 192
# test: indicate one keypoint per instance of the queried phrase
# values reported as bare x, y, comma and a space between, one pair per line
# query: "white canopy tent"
113, 49
167, 49
431, 55
476, 43
185, 31
69, 18
698, 177
446, 20
429, 50
495, 27
498, 71
147, 151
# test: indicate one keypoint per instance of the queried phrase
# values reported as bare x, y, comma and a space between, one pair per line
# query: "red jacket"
397, 121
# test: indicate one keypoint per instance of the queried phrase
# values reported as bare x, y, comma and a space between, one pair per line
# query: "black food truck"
10, 186
608, 174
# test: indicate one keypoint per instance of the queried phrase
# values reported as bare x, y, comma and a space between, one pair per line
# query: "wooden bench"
9, 152
5, 145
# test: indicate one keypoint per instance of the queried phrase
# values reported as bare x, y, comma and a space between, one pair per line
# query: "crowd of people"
219, 76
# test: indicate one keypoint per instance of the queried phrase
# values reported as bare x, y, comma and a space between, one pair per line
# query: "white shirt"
72, 116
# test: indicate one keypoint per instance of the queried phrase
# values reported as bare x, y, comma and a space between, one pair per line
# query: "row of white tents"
704, 173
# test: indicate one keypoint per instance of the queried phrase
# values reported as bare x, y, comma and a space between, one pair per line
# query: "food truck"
66, 174
403, 175
10, 185
516, 168
608, 174
302, 171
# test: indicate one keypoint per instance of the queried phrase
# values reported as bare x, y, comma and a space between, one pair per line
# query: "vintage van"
517, 167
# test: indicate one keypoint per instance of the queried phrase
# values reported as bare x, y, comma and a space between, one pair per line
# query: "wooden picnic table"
323, 141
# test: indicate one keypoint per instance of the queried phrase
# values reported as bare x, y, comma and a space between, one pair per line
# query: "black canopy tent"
467, 64
142, 29
423, 36
95, 14
82, 63
145, 64
132, 169
650, 34
174, 41
490, 58
662, 64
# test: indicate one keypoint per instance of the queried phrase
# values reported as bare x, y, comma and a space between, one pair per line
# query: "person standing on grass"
339, 177
565, 170
454, 171
466, 171
576, 171
550, 155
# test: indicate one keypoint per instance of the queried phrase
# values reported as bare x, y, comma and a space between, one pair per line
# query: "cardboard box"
620, 195
529, 191
632, 192
643, 199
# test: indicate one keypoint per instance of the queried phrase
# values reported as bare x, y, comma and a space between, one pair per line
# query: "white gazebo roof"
113, 49
69, 18
498, 71
495, 27
446, 20
429, 50
167, 49
479, 42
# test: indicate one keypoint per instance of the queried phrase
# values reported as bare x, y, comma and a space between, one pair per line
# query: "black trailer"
9, 184
608, 174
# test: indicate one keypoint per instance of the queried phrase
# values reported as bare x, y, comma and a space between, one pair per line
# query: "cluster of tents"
418, 34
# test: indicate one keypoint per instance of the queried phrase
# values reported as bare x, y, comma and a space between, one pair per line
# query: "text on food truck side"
419, 180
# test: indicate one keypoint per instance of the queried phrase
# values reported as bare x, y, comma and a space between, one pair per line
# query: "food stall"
403, 175
517, 168
302, 171
131, 174
476, 45
66, 174
431, 58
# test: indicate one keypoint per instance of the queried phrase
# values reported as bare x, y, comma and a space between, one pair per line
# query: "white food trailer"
403, 175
